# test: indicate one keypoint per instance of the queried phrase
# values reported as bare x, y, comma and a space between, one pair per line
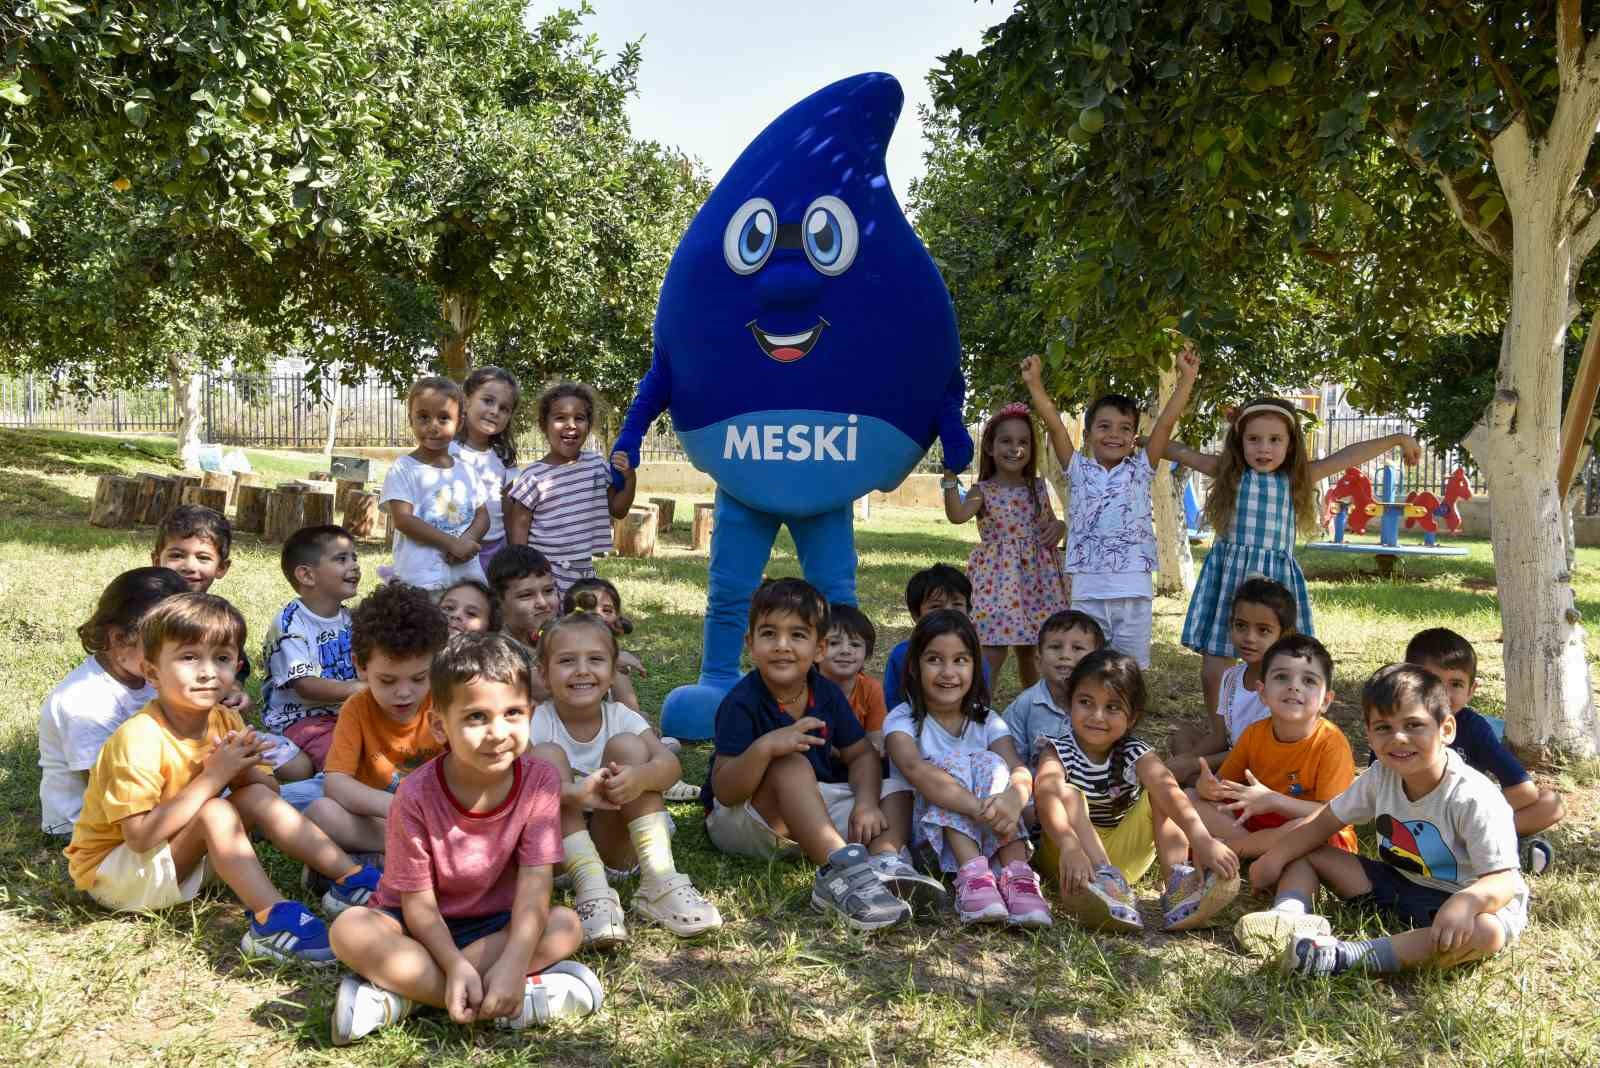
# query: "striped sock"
1372, 955
652, 843
584, 865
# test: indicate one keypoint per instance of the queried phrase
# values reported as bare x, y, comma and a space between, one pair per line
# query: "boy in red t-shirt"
462, 918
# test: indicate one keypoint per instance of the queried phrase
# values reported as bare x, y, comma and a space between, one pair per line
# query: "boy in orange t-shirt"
1283, 768
851, 637
382, 731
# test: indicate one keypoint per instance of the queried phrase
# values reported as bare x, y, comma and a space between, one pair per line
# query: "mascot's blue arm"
952, 432
655, 393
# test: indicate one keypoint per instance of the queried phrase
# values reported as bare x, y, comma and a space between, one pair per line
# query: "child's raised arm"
1060, 440
1188, 365
621, 497
959, 509
1194, 459
1360, 452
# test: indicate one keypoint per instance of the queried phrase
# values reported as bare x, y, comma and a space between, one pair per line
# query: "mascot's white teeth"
787, 348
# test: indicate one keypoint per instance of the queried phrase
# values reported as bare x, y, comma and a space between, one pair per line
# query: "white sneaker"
602, 919
362, 1007
566, 988
1266, 933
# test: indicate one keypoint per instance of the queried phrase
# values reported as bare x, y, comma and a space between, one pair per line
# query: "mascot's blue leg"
827, 547
741, 543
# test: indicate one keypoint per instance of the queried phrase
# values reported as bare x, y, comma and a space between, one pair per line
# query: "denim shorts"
465, 930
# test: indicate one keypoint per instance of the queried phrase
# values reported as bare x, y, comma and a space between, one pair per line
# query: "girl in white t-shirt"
100, 694
956, 753
485, 445
435, 503
1263, 611
615, 769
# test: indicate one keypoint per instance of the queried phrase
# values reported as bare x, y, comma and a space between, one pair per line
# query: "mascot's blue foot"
690, 712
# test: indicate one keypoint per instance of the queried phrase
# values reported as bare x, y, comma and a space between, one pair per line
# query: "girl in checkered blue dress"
1263, 492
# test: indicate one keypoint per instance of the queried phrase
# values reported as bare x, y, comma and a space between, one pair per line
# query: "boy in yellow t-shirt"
155, 821
383, 730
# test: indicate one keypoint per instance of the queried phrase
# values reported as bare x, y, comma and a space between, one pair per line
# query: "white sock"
1293, 904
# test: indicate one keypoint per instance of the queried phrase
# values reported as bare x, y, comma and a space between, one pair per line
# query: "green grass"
778, 985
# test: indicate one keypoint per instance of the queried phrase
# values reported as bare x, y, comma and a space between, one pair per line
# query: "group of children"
438, 756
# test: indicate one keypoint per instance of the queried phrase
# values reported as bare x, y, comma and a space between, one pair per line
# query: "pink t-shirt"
469, 859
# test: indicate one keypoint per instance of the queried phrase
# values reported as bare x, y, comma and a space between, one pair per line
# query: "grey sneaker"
1265, 933
921, 892
849, 885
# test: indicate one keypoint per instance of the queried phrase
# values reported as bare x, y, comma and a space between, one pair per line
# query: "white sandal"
601, 917
676, 905
681, 791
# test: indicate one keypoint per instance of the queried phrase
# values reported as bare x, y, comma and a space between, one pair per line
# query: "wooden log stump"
116, 501
186, 479
319, 476
156, 493
318, 509
343, 488
665, 507
214, 499
292, 487
636, 534
320, 487
217, 480
252, 509
286, 513
700, 535
362, 517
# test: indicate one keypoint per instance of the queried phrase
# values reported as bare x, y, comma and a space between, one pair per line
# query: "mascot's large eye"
750, 236
830, 235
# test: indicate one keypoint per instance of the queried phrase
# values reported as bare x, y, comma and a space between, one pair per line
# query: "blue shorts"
1412, 903
465, 930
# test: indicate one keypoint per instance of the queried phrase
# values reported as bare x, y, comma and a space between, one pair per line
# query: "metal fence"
1431, 474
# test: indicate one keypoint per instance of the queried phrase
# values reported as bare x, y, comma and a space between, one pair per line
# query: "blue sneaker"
355, 889
292, 933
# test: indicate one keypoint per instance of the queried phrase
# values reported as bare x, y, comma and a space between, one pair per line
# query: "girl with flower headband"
1016, 579
1263, 490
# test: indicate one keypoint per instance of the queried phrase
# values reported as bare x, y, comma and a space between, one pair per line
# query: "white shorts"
1126, 621
742, 830
142, 882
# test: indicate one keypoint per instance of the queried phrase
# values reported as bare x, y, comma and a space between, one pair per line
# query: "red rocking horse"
1354, 489
1456, 490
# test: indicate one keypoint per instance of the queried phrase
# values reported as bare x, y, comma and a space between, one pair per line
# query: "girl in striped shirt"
563, 504
1110, 809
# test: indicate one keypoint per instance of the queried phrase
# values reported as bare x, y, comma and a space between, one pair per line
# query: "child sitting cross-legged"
793, 769
462, 919
614, 770
1447, 849
948, 746
850, 641
156, 824
524, 586
1109, 809
469, 605
383, 730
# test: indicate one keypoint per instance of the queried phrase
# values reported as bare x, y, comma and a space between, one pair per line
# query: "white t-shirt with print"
586, 758
299, 645
75, 720
445, 499
492, 476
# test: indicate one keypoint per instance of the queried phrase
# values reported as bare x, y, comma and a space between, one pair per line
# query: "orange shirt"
866, 701
1319, 767
370, 746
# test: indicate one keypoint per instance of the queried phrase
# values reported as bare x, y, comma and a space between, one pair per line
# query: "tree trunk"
116, 500
186, 388
1549, 704
1174, 562
636, 534
461, 311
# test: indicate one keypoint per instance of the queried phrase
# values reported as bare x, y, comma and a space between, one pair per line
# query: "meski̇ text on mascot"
806, 346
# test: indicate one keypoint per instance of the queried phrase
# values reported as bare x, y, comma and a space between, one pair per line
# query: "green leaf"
1260, 10
11, 93
298, 174
1491, 209
134, 112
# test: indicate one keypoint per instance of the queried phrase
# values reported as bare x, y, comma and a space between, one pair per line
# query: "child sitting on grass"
1447, 849
614, 771
469, 606
99, 694
1285, 767
309, 669
933, 588
524, 588
462, 919
1110, 809
1042, 710
383, 730
155, 823
608, 606
793, 769
851, 639
1452, 658
1263, 611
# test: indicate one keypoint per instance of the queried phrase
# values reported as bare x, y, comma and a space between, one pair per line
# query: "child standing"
1452, 658
1263, 611
1110, 809
948, 746
436, 504
462, 919
486, 447
602, 747
1263, 490
1447, 849
1286, 766
99, 694
155, 823
1016, 579
309, 669
563, 504
1111, 545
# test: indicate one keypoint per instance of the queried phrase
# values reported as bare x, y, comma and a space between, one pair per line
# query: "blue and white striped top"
570, 505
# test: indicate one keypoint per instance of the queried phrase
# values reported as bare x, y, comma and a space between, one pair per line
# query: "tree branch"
1572, 127
1569, 36
1495, 237
1586, 231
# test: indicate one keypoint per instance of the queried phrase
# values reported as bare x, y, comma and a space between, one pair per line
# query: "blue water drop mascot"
807, 349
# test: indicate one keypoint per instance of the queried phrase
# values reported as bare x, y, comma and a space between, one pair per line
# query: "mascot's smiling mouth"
787, 348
